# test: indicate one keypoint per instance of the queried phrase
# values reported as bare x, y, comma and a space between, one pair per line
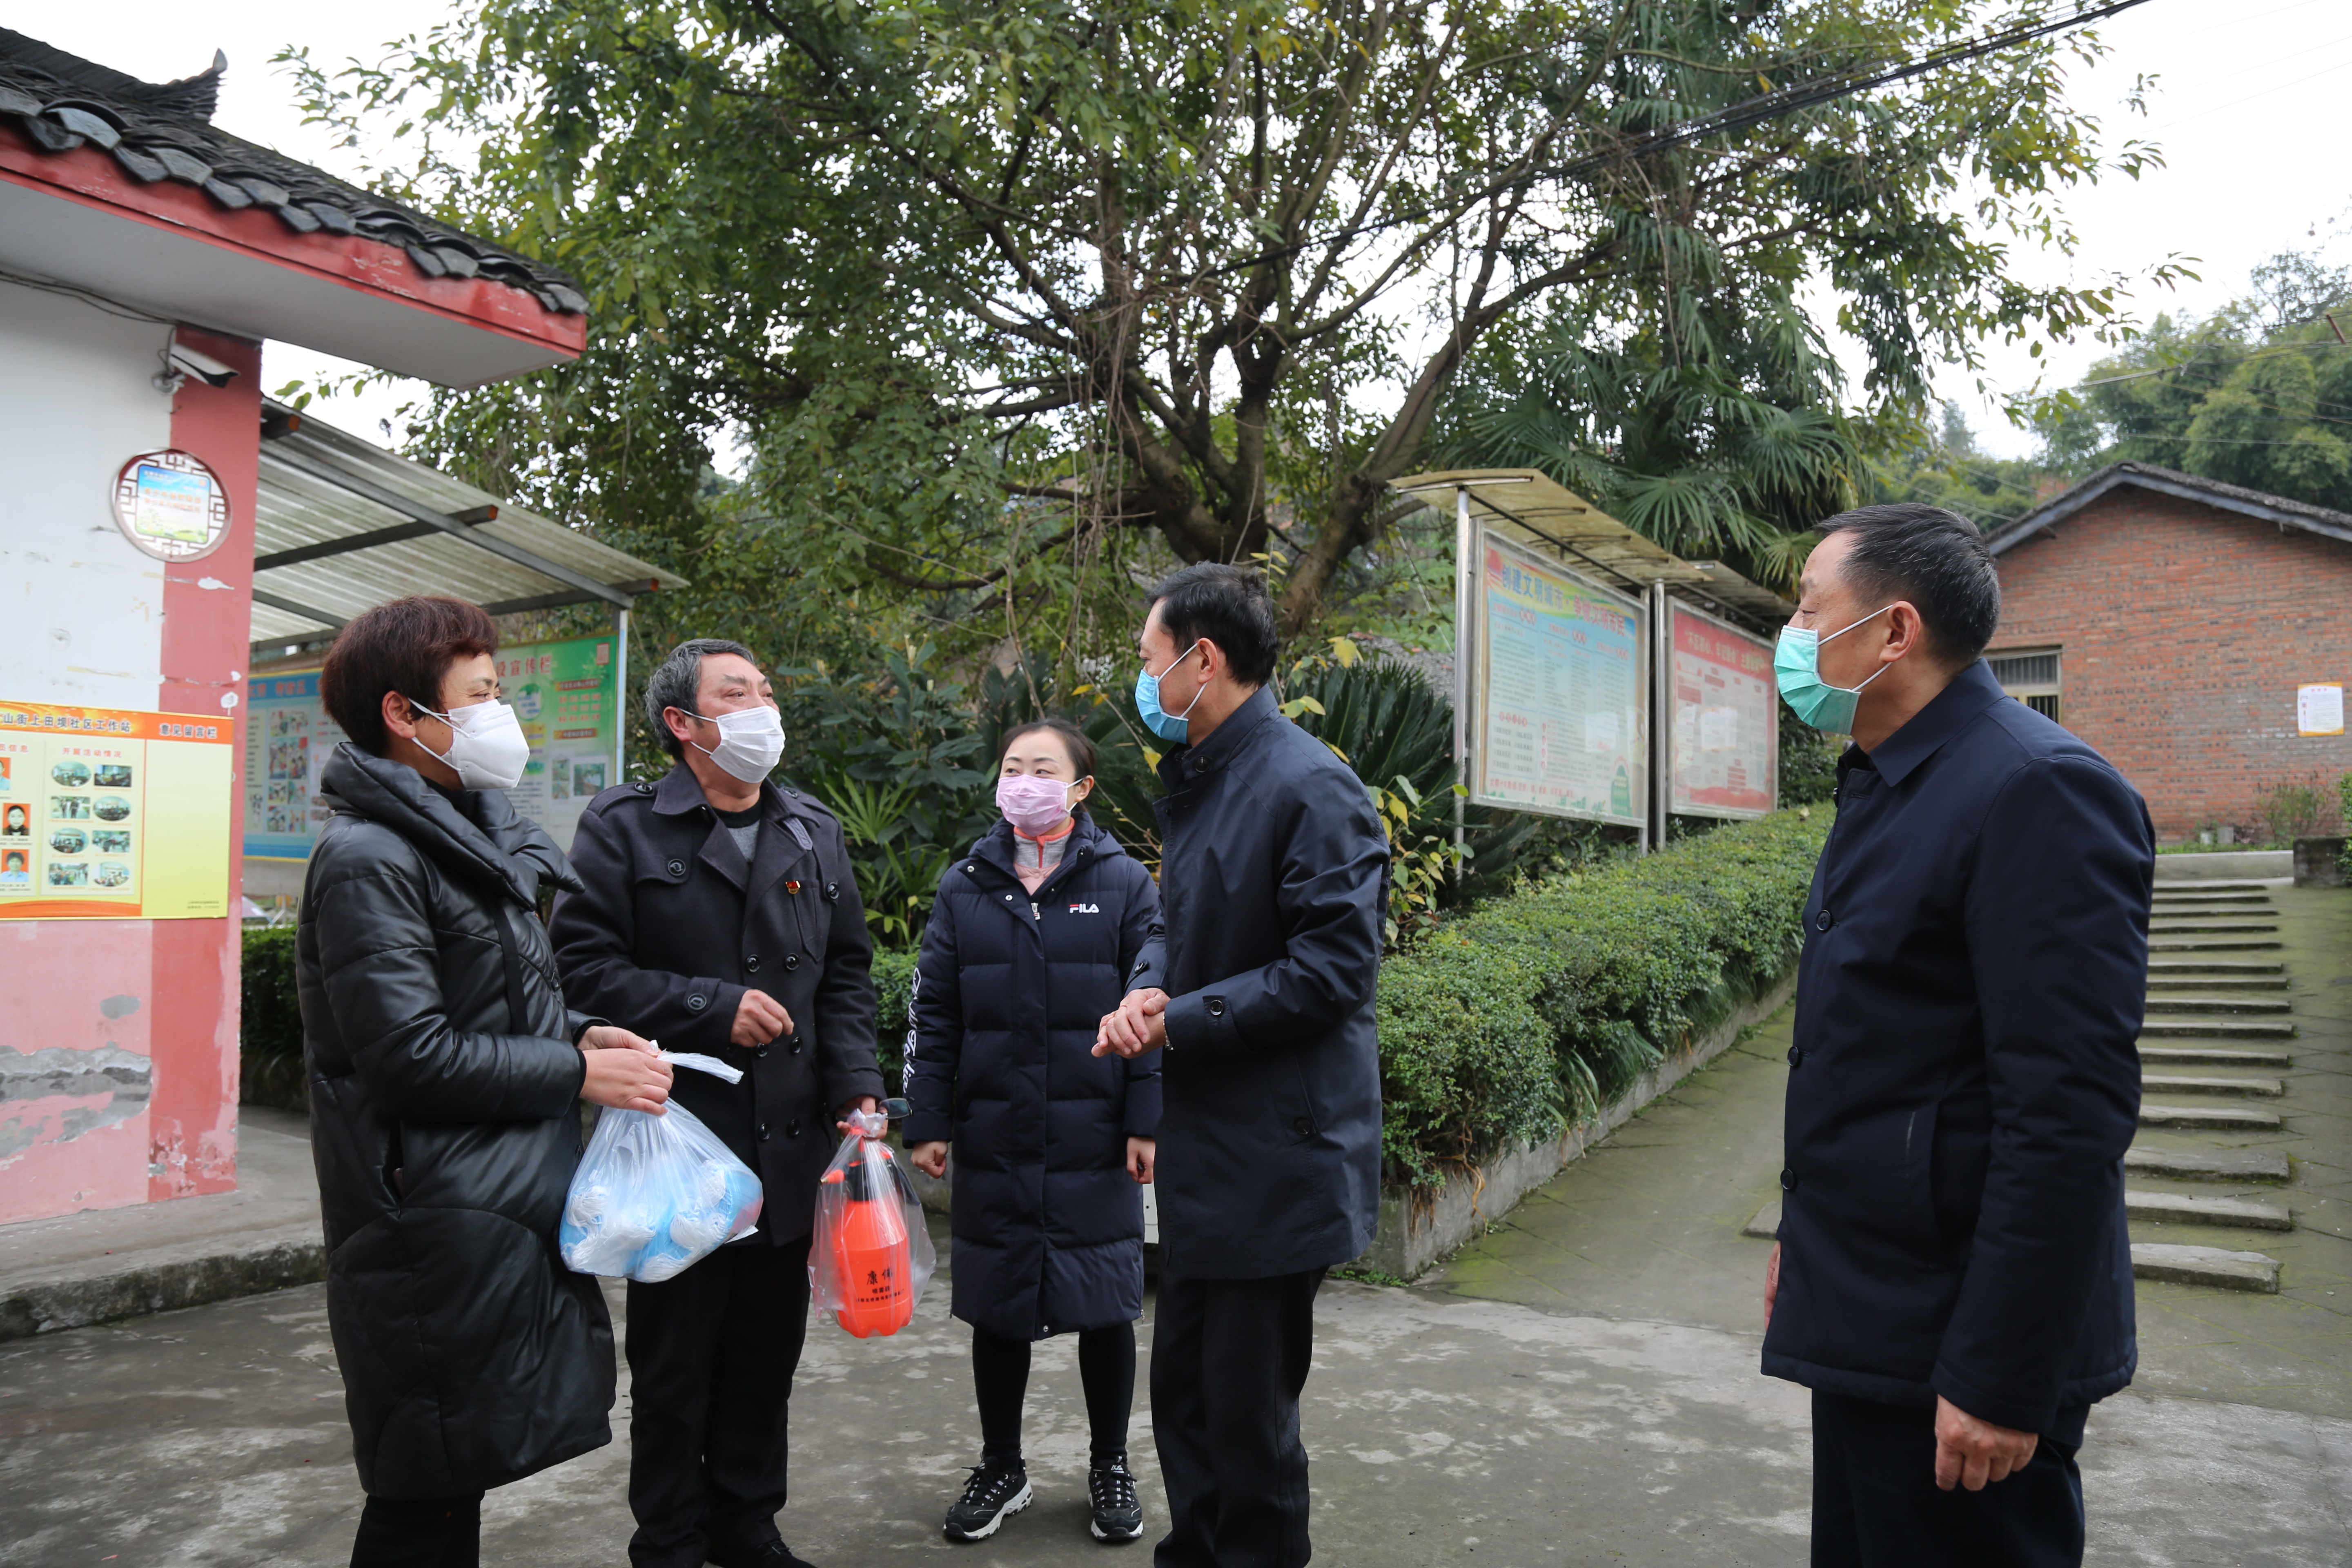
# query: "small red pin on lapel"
791, 887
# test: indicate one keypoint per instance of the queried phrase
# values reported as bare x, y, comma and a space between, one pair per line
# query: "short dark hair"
405, 646
678, 678
1081, 750
1228, 605
1936, 558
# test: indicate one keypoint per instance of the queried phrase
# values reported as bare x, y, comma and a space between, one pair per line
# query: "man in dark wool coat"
717, 914
1953, 1279
1259, 996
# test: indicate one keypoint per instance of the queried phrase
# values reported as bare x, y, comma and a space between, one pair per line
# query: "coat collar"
1971, 692
1185, 764
781, 847
478, 835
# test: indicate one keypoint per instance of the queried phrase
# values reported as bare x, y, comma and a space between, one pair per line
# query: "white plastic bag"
656, 1194
871, 1254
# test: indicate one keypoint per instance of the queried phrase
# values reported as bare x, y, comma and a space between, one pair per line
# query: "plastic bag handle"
699, 1063
868, 1123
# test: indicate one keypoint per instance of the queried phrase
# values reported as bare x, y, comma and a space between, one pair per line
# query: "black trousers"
420, 1532
1876, 1505
1229, 1359
1000, 1379
711, 1358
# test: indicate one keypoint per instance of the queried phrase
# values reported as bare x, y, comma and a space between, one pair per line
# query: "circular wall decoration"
170, 505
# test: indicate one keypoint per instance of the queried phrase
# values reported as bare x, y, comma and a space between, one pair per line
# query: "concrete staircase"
2218, 1015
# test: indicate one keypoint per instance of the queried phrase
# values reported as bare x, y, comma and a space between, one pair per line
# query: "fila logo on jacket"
1085, 909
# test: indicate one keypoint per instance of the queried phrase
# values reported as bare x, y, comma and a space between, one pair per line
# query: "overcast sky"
2241, 106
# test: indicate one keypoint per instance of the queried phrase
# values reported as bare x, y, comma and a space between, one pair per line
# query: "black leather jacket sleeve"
379, 960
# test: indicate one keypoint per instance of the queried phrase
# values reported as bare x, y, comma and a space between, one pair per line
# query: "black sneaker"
1110, 1496
767, 1554
995, 1492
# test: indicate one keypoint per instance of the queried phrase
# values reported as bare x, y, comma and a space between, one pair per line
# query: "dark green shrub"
1538, 1009
894, 998
269, 1043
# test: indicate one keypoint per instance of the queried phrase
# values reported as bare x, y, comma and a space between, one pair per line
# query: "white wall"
81, 612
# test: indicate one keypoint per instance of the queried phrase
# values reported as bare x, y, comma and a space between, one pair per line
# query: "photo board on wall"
1722, 734
567, 696
1559, 721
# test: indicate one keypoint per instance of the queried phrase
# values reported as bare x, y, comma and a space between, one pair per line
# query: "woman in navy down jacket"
1028, 946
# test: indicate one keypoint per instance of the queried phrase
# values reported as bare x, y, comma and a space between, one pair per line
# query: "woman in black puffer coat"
445, 1071
1028, 946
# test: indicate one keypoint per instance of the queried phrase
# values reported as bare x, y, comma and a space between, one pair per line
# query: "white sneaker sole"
1012, 1505
1095, 1527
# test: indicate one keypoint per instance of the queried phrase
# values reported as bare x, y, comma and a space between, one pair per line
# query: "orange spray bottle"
872, 1260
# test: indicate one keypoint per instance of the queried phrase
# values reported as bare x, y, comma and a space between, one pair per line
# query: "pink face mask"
1034, 805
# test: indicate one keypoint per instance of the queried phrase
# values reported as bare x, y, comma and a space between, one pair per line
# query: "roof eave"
2183, 487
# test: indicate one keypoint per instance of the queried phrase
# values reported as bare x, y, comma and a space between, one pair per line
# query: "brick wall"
2185, 631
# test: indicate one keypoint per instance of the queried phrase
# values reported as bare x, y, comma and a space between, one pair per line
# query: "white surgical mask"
751, 743
487, 745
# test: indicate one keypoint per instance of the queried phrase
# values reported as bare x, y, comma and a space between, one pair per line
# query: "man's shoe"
1111, 1497
994, 1493
775, 1554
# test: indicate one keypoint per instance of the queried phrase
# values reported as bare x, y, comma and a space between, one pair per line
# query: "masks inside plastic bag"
656, 1194
871, 1255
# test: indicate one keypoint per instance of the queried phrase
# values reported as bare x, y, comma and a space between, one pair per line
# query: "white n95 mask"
487, 745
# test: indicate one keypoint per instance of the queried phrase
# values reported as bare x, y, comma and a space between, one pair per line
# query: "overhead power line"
1776, 104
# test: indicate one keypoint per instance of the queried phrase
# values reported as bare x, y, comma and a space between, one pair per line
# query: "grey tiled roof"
2281, 510
164, 131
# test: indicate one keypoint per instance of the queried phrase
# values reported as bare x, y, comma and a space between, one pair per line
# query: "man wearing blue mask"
719, 915
1953, 1276
1259, 992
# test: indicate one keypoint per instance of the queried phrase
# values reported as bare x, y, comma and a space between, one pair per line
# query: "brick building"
2172, 621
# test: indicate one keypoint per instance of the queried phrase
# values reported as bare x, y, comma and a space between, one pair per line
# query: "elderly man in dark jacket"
445, 1069
1274, 873
719, 915
1953, 1278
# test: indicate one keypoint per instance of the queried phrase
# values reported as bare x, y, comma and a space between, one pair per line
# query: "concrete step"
2176, 895
2221, 1028
2196, 884
2163, 1002
1766, 1225
2206, 925
2212, 1056
2175, 983
2212, 1118
2242, 1087
2246, 967
2178, 944
2208, 1266
2206, 1165
2173, 1208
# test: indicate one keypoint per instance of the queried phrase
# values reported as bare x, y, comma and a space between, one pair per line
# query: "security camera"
203, 366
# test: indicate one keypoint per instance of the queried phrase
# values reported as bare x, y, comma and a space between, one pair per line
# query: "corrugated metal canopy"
342, 526
1537, 509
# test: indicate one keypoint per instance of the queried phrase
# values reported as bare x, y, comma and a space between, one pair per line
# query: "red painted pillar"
207, 632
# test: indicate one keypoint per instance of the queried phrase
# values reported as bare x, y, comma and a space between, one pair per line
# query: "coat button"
677, 867
751, 964
1303, 1127
795, 1045
1796, 1056
697, 1003
793, 1129
1822, 922
763, 1133
759, 1051
792, 961
1217, 1007
1788, 1181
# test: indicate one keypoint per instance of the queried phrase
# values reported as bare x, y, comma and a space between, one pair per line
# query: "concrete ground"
1578, 1387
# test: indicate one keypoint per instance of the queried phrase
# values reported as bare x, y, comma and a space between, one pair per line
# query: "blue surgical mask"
1797, 668
1167, 726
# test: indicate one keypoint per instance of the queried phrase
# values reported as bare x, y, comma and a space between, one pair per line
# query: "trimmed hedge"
1532, 1011
269, 1044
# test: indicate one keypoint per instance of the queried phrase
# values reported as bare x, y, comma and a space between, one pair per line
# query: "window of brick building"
2030, 675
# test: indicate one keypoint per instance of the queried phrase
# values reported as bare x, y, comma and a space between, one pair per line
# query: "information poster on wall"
111, 813
567, 696
1724, 742
1561, 726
